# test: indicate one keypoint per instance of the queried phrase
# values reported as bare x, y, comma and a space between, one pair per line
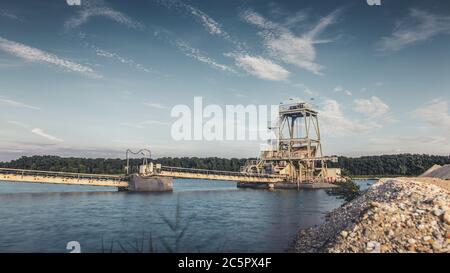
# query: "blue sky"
95, 79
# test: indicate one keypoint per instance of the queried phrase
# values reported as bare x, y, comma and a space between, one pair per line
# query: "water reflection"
213, 215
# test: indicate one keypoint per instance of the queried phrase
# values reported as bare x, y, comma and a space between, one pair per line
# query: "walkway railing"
213, 172
62, 174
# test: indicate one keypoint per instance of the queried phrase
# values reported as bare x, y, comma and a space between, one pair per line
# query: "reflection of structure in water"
297, 151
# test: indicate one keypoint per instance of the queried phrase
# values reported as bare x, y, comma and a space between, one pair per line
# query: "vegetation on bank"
385, 165
348, 190
117, 166
389, 165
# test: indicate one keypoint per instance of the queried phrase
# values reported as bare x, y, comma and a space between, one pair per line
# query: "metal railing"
23, 172
214, 172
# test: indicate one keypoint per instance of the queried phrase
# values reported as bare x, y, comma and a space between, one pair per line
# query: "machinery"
296, 153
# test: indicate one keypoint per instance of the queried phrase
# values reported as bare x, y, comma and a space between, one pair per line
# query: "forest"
384, 165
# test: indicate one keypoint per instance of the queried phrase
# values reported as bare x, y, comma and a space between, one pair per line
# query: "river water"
199, 216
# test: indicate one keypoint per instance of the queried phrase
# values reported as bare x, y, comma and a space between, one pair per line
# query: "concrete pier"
138, 183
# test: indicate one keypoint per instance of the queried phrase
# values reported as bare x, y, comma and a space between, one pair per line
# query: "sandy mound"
430, 170
442, 172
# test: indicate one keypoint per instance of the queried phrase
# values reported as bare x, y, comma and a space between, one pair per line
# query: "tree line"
117, 165
389, 165
384, 165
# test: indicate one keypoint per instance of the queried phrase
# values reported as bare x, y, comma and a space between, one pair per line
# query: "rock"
366, 232
344, 234
374, 247
375, 204
446, 217
438, 212
436, 246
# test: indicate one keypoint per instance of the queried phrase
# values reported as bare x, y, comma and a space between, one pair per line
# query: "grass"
146, 242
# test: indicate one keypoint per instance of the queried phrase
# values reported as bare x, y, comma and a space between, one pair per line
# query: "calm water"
212, 217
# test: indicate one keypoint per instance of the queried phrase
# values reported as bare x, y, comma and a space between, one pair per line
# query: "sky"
94, 79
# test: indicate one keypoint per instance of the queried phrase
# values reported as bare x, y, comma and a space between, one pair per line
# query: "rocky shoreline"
394, 215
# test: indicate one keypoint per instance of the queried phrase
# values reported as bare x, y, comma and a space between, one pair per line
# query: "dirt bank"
394, 215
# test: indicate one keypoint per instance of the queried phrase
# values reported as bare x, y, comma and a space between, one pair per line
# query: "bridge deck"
189, 173
32, 176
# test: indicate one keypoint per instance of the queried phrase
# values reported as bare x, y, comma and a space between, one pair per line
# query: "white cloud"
436, 144
9, 15
285, 46
306, 89
18, 123
241, 96
130, 62
9, 102
211, 25
410, 140
201, 57
419, 26
339, 89
98, 8
43, 134
372, 108
36, 55
155, 105
335, 122
143, 124
436, 113
261, 67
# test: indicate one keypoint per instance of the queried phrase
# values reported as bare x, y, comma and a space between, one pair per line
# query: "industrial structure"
296, 153
294, 160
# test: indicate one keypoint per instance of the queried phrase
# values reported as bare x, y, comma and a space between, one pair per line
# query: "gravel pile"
394, 215
442, 172
430, 170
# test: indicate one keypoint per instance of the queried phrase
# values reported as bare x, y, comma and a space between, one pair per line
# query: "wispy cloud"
98, 8
211, 25
436, 113
261, 67
18, 123
372, 108
144, 124
340, 89
419, 26
287, 47
155, 105
418, 141
201, 57
9, 15
36, 55
43, 134
130, 62
337, 123
13, 103
37, 131
306, 89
